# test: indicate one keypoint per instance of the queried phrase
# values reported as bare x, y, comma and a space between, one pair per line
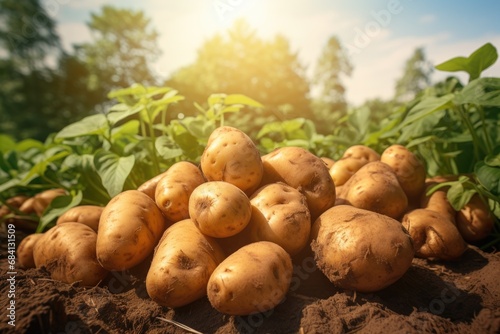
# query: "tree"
416, 76
330, 67
27, 38
124, 45
241, 62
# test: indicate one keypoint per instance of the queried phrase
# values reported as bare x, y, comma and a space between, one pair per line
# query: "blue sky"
379, 34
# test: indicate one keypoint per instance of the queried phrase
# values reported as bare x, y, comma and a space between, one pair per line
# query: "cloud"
73, 33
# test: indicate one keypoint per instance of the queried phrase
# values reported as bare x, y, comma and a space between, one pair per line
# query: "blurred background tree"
123, 46
241, 62
416, 76
332, 65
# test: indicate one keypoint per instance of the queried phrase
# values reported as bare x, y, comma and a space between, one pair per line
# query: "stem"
154, 157
489, 144
476, 141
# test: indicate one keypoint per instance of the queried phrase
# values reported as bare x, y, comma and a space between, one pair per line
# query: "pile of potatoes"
230, 227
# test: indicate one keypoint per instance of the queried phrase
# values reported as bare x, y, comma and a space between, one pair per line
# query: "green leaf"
135, 89
115, 116
6, 143
51, 155
90, 125
113, 170
29, 144
458, 195
57, 207
129, 128
241, 99
488, 177
475, 64
482, 91
167, 148
492, 160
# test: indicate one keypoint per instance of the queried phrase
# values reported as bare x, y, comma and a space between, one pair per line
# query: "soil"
432, 297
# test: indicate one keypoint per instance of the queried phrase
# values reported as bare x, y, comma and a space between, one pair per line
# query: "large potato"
231, 156
182, 264
129, 228
253, 279
375, 187
174, 189
68, 252
25, 250
361, 250
409, 170
280, 214
219, 209
304, 171
352, 160
84, 214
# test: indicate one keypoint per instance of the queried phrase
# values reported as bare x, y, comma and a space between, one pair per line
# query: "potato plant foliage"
453, 127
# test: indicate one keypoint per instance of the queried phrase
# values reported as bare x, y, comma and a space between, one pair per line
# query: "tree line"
44, 87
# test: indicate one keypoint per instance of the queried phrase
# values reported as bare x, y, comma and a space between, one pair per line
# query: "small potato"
68, 252
219, 209
84, 214
174, 189
361, 250
329, 162
182, 264
43, 199
231, 156
475, 221
149, 187
438, 202
352, 160
27, 206
434, 235
409, 170
130, 227
25, 251
303, 171
375, 188
253, 279
280, 214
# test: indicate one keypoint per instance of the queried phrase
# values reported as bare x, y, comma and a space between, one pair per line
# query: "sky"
378, 35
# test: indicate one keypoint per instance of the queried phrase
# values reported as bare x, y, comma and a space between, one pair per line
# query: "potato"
280, 214
434, 235
25, 251
149, 187
43, 199
375, 188
182, 264
129, 228
231, 156
68, 252
409, 170
84, 214
219, 209
329, 162
253, 279
303, 171
27, 206
352, 160
174, 189
475, 220
361, 250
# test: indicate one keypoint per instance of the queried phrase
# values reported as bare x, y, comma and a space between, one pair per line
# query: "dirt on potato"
432, 297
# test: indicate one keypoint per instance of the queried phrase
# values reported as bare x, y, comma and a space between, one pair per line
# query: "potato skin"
375, 187
361, 250
304, 171
231, 156
280, 215
43, 199
68, 252
475, 220
219, 209
182, 264
409, 170
129, 228
25, 251
174, 189
352, 160
84, 214
149, 187
253, 279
